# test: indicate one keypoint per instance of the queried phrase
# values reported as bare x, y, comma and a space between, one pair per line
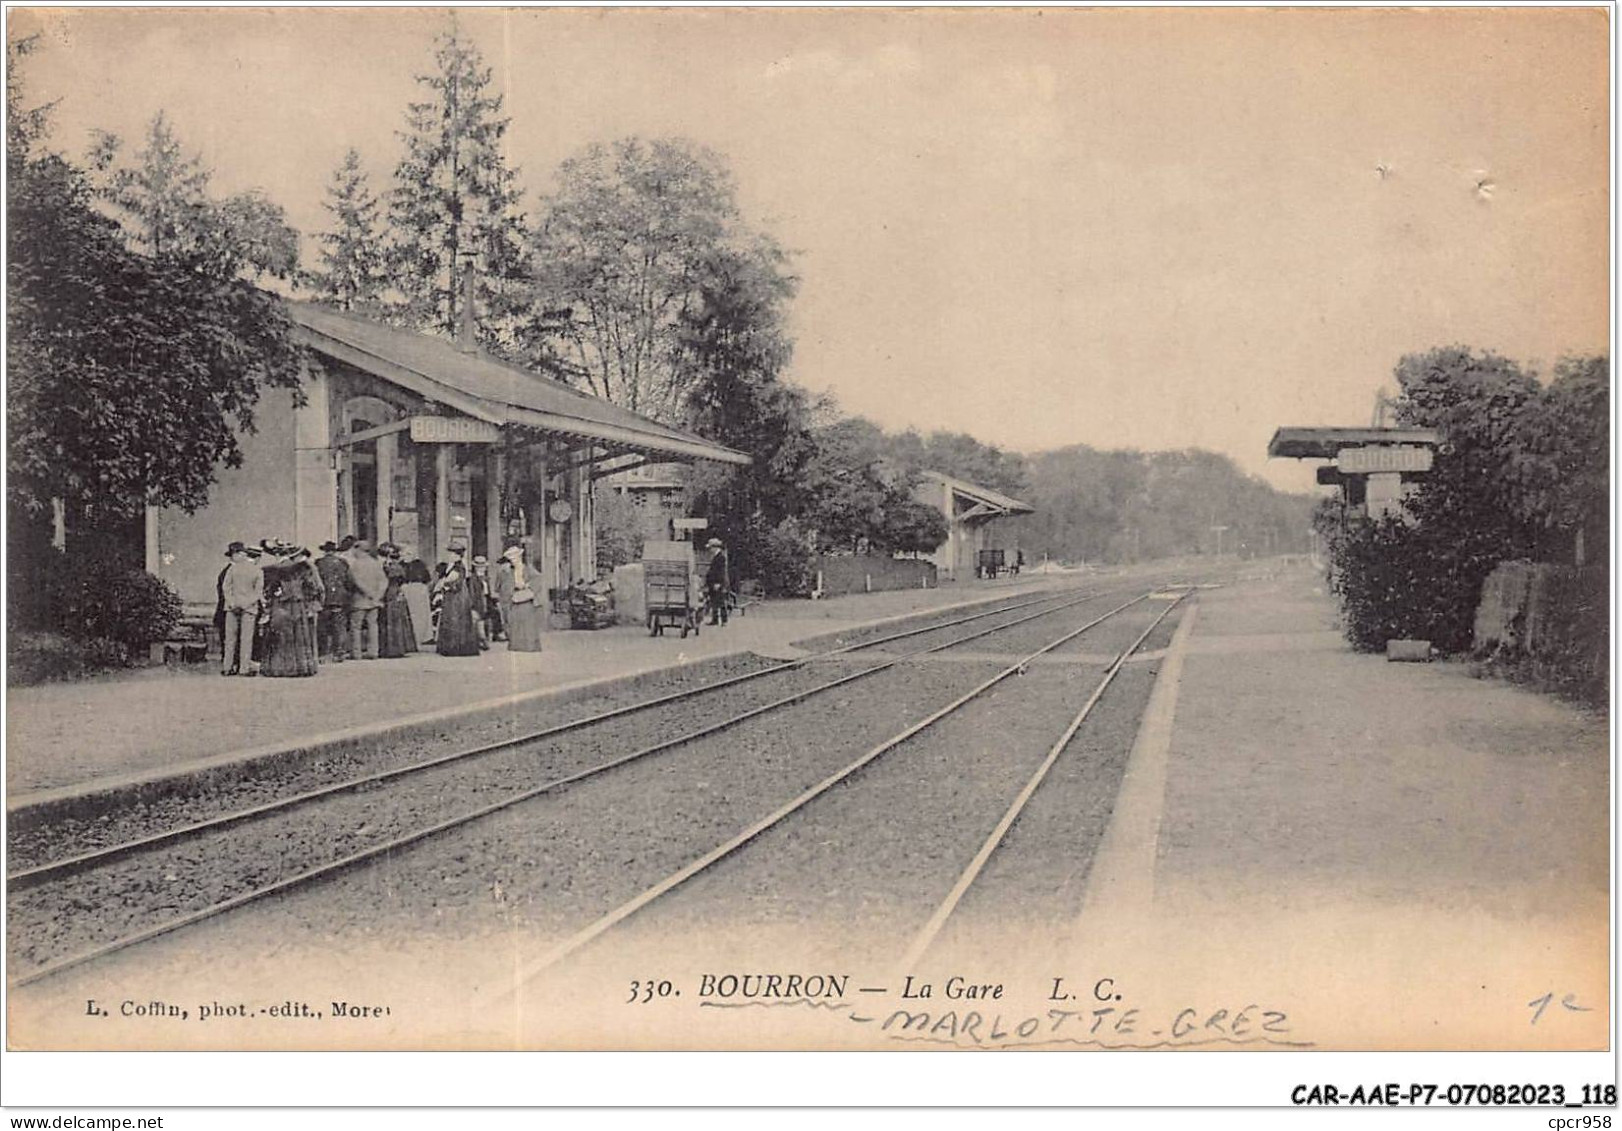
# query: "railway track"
51, 882
776, 820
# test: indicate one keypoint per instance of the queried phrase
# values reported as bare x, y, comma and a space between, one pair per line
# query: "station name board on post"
453, 430
1383, 458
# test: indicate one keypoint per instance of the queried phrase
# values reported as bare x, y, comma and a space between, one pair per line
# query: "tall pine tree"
163, 204
455, 205
352, 271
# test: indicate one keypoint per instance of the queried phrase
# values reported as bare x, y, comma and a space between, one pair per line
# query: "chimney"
467, 339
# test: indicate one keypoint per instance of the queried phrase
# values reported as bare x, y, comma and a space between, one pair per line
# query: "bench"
192, 641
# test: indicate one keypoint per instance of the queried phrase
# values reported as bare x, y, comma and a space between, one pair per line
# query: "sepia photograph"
1074, 530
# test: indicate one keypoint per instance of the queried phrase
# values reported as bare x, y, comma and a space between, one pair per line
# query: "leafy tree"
626, 257
455, 205
961, 455
1568, 492
855, 497
911, 527
25, 126
131, 375
1471, 505
352, 253
734, 343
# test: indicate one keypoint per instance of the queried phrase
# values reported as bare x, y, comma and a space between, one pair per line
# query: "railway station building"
972, 513
408, 438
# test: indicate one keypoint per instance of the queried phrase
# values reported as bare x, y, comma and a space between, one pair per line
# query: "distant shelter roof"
1326, 443
984, 497
479, 386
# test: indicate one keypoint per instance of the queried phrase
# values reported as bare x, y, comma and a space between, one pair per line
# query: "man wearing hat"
332, 624
219, 596
368, 583
716, 582
483, 600
242, 589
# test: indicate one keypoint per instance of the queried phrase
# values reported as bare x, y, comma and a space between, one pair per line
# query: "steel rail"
624, 911
927, 935
335, 867
25, 878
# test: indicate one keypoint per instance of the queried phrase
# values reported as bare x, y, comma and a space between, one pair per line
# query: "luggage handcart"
670, 588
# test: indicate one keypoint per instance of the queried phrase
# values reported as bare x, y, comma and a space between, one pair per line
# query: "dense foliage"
1521, 473
91, 600
642, 257
733, 344
1122, 506
137, 352
616, 528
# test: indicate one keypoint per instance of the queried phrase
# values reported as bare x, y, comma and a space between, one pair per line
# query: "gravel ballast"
549, 864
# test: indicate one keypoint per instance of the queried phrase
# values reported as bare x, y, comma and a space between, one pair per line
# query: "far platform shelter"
971, 512
1372, 466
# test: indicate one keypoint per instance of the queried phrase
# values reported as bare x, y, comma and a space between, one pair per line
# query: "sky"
1151, 228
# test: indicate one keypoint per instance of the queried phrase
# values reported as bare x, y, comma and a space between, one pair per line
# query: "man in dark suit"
717, 583
219, 593
332, 625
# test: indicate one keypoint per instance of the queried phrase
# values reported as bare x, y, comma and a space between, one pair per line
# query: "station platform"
1397, 855
101, 731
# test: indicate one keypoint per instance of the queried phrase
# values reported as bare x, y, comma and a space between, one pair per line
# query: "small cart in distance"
667, 571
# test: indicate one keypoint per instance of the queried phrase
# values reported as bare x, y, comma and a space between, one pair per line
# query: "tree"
131, 374
352, 253
733, 343
961, 455
853, 494
1568, 491
455, 206
25, 126
165, 210
1474, 498
628, 252
911, 527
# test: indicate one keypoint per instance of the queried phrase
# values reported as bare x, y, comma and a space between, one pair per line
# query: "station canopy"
984, 502
1327, 443
483, 388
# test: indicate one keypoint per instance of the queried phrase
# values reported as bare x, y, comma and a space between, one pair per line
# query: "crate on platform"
1408, 651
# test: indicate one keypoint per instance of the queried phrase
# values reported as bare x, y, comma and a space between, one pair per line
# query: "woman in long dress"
289, 645
520, 612
399, 637
415, 591
457, 635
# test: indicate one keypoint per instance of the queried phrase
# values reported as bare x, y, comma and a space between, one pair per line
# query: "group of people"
281, 612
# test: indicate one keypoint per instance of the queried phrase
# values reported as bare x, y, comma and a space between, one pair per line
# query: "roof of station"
479, 386
1326, 443
993, 501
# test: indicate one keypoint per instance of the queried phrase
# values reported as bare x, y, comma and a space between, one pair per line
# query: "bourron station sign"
1377, 458
453, 430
